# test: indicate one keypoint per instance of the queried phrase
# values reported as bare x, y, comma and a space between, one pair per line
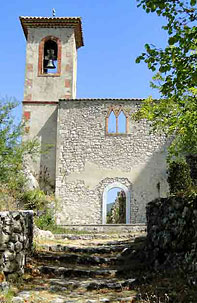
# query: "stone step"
76, 272
91, 284
27, 296
59, 284
93, 236
116, 243
77, 290
75, 259
106, 228
107, 249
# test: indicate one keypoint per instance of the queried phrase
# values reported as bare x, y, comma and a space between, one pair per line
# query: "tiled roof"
47, 22
104, 99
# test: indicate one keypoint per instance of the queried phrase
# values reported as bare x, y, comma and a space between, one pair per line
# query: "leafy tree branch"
12, 149
175, 75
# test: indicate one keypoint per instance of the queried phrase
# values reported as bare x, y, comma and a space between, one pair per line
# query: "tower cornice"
53, 22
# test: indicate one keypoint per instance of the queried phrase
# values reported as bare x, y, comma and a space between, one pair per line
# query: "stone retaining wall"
172, 232
16, 241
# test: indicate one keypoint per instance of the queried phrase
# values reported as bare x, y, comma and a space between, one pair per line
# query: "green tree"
12, 151
175, 76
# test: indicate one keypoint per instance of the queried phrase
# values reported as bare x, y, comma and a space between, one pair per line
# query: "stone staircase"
85, 269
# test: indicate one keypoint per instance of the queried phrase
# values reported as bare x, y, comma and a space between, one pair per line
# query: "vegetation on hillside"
12, 153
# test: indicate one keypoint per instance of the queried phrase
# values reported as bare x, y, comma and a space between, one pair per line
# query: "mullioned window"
117, 121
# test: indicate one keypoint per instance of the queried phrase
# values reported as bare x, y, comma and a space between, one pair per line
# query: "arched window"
122, 123
117, 121
49, 57
112, 123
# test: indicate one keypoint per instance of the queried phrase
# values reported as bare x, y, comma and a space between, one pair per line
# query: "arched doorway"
116, 204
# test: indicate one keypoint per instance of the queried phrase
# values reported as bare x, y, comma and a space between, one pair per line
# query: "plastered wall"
41, 122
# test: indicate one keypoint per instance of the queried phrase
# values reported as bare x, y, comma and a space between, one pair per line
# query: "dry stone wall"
87, 158
16, 240
172, 232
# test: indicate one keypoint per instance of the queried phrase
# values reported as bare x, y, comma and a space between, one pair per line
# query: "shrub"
192, 162
45, 221
179, 178
12, 153
34, 199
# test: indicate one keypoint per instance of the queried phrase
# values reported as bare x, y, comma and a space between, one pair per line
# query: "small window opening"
122, 127
112, 123
116, 206
116, 122
50, 57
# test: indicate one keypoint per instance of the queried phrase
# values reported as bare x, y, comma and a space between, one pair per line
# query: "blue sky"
112, 195
115, 32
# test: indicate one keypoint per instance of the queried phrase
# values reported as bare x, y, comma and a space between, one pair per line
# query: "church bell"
50, 56
50, 64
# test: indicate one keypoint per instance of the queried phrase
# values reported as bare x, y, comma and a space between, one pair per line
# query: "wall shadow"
48, 141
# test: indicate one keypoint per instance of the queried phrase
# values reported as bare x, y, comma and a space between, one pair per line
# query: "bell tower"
50, 75
51, 57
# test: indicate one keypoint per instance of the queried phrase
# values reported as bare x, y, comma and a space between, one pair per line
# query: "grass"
40, 243
61, 230
6, 296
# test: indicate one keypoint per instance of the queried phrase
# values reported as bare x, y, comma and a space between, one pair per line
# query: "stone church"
88, 155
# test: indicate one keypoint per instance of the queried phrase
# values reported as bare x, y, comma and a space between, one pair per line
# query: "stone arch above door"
117, 184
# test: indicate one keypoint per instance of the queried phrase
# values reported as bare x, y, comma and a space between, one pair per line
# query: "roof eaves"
60, 21
103, 99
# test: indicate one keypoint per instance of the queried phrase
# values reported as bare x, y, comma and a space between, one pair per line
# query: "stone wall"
16, 240
172, 232
89, 159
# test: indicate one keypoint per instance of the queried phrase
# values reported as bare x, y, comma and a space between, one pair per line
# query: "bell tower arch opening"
49, 56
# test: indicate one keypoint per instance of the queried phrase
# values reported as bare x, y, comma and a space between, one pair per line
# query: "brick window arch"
117, 121
56, 42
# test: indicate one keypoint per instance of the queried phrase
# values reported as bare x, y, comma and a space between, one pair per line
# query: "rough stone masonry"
172, 232
90, 161
16, 240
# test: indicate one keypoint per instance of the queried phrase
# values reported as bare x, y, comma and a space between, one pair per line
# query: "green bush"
179, 178
7, 296
45, 221
34, 199
192, 162
12, 154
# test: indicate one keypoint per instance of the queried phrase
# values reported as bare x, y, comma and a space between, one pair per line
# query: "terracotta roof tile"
104, 99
